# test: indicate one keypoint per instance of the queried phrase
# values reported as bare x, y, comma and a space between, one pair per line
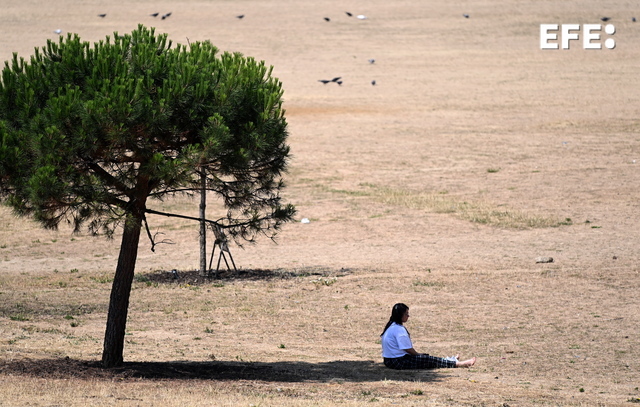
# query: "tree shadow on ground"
193, 277
333, 371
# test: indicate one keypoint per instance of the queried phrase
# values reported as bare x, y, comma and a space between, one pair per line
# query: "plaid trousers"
422, 361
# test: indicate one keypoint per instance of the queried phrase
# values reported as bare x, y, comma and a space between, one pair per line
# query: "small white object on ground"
305, 220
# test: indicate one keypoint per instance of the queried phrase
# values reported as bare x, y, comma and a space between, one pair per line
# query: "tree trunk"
112, 354
203, 225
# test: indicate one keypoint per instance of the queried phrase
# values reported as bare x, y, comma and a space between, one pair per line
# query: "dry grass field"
473, 154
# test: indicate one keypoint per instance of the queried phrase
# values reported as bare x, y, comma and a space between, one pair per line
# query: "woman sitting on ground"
397, 348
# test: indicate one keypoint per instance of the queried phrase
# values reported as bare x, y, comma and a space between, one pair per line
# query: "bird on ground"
605, 19
349, 14
58, 31
465, 15
336, 79
371, 61
373, 82
240, 17
324, 81
154, 14
166, 15
102, 15
327, 19
633, 19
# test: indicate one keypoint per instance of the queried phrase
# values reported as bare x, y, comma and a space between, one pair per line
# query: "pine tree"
90, 134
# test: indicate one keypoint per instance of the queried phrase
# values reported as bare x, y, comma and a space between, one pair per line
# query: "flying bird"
166, 15
102, 15
339, 83
154, 14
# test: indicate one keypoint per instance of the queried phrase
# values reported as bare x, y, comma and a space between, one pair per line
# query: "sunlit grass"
481, 212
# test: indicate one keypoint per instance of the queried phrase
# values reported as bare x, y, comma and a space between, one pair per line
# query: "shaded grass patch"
283, 371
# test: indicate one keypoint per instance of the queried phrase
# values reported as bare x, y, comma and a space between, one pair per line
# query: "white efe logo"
590, 36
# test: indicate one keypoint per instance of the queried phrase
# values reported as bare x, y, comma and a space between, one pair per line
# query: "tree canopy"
90, 133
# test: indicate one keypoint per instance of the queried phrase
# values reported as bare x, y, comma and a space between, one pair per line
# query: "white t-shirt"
394, 341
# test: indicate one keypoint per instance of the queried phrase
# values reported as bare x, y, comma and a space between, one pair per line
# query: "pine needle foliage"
88, 133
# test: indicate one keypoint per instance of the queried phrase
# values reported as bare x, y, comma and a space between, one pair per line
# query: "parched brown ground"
474, 154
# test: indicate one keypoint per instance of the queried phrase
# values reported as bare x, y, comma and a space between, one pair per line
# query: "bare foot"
466, 363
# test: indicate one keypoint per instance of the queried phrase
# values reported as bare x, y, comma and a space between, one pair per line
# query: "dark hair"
397, 312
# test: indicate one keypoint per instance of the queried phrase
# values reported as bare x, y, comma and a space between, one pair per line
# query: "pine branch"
153, 238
